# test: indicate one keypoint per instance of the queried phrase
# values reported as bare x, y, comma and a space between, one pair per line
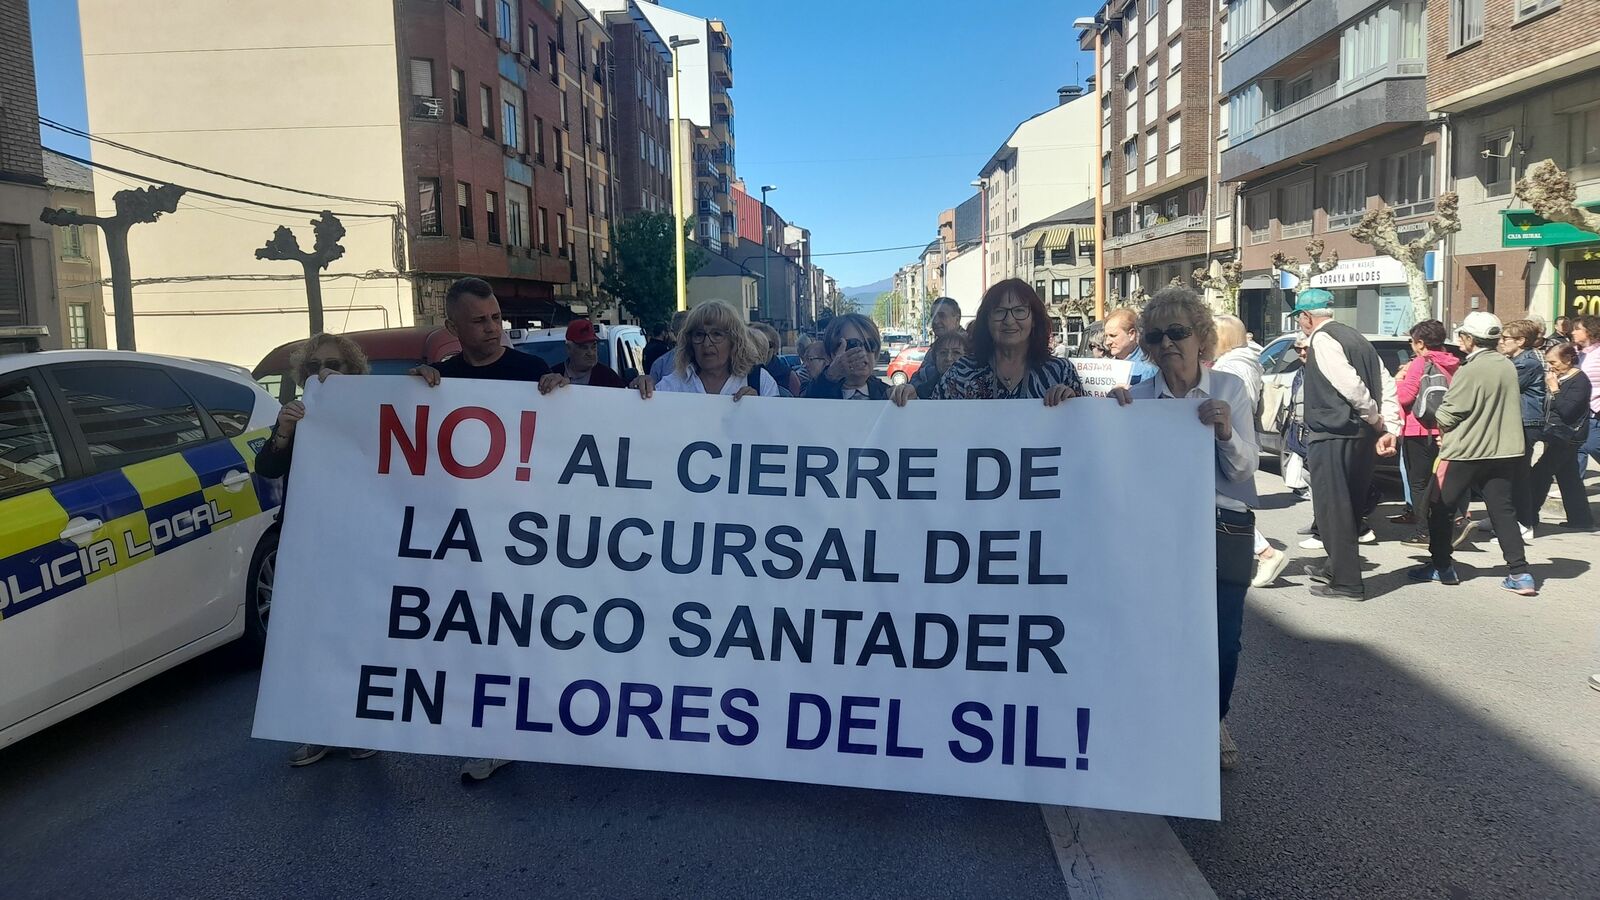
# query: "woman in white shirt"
1179, 336
722, 357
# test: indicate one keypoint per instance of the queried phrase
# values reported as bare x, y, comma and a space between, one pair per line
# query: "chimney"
1068, 93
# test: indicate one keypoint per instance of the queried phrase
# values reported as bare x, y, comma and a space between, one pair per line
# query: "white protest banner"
1101, 375
986, 599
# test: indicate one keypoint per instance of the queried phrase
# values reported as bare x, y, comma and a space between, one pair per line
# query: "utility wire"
76, 132
216, 196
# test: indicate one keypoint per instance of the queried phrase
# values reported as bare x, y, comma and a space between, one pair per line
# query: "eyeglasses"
317, 365
1299, 349
1099, 348
1001, 313
816, 357
714, 336
1175, 333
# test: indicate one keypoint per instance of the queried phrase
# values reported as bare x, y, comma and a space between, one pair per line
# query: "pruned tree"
1377, 230
1550, 193
1221, 290
284, 246
1318, 261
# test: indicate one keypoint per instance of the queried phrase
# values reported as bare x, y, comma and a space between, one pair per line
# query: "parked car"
391, 351
134, 532
906, 364
621, 346
1279, 363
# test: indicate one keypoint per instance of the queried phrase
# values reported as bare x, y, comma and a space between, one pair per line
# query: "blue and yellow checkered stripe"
129, 501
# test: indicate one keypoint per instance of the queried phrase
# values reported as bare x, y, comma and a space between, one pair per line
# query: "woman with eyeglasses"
717, 355
813, 359
1009, 353
319, 357
1179, 337
852, 342
767, 338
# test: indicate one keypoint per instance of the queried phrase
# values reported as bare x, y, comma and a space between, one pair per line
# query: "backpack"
1430, 393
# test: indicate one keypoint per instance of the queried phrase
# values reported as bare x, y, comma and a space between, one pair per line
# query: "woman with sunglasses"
852, 342
1179, 337
716, 355
319, 357
1008, 353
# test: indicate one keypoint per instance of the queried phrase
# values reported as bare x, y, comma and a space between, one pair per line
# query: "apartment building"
1046, 165
76, 250
27, 285
1519, 81
1326, 117
1156, 87
585, 51
1057, 256
642, 113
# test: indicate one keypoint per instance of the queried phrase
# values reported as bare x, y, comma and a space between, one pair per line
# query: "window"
429, 223
1365, 46
1060, 289
1414, 34
129, 414
506, 23
29, 459
1151, 154
71, 238
77, 326
458, 96
1038, 288
481, 7
227, 403
1258, 217
1130, 156
516, 222
422, 78
544, 229
1529, 8
1585, 137
1174, 145
538, 138
1347, 197
509, 122
532, 49
1175, 54
486, 109
1496, 158
1061, 256
464, 209
1466, 22
1408, 181
555, 62
1294, 210
1085, 288
491, 208
561, 234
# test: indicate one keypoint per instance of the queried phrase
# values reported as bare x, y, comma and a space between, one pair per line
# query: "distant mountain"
867, 293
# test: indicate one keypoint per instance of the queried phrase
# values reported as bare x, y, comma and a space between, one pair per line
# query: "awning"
1085, 233
1056, 238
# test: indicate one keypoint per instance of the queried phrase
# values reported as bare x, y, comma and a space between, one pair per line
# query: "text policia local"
977, 642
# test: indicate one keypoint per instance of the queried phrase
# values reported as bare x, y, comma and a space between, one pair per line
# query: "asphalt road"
1433, 742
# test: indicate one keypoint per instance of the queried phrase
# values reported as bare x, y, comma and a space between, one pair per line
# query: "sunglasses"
317, 365
1175, 333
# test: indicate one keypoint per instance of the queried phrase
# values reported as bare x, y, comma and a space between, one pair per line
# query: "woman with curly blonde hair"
717, 355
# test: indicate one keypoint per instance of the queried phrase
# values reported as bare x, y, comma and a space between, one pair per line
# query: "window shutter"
422, 78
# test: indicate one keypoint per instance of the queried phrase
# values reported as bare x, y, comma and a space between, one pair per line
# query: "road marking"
1108, 855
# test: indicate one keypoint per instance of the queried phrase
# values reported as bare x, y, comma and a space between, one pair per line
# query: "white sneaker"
1368, 537
1311, 543
1228, 750
1594, 681
1269, 567
479, 769
1527, 535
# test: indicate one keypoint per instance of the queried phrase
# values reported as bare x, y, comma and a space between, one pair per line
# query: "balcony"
721, 63
1285, 37
722, 126
1328, 120
1176, 226
708, 208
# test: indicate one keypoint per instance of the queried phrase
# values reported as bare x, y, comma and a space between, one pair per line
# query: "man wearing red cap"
583, 364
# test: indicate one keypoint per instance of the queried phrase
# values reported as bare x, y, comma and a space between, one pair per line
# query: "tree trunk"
121, 282
1421, 292
314, 295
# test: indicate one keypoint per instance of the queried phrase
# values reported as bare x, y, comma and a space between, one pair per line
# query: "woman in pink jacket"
1420, 440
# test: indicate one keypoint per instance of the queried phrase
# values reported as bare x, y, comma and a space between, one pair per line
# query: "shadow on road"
1364, 780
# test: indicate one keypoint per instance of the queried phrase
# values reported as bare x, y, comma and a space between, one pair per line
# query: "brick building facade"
27, 284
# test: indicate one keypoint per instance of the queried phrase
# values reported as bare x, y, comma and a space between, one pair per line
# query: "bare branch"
1552, 196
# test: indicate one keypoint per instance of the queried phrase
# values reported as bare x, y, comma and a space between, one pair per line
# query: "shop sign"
1580, 285
1368, 271
1522, 228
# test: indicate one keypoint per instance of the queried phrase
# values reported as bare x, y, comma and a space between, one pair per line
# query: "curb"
1106, 855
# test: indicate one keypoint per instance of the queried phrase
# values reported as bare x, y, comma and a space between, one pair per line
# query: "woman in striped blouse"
1009, 353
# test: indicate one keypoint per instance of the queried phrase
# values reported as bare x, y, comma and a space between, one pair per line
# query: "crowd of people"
1468, 428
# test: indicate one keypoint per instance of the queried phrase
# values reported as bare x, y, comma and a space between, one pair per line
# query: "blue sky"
870, 116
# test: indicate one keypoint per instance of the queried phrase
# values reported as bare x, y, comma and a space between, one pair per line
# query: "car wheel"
897, 378
258, 592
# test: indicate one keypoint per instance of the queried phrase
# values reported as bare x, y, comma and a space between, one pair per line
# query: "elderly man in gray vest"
1345, 434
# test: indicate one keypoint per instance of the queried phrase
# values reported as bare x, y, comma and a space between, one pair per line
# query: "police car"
134, 532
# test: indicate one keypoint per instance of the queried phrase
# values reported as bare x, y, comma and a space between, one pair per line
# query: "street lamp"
766, 251
675, 42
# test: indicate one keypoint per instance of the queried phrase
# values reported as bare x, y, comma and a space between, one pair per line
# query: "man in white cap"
1480, 447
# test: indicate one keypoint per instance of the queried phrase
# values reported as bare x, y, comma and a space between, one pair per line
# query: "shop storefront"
1369, 293
1570, 256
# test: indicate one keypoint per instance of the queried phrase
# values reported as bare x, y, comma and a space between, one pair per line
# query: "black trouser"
1421, 452
1495, 479
1560, 464
1341, 473
1236, 557
1527, 507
